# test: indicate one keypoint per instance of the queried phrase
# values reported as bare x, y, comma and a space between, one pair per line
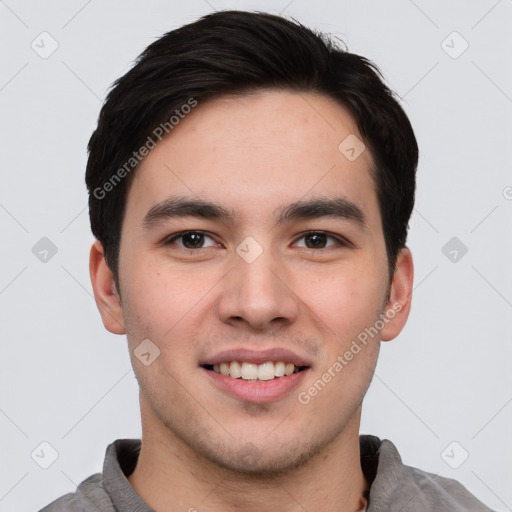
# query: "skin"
201, 447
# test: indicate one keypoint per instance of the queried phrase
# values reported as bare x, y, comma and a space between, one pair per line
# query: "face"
252, 245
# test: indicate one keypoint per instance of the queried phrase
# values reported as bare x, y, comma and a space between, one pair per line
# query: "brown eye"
315, 240
318, 240
191, 240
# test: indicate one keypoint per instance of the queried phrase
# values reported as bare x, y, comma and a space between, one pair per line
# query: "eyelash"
340, 241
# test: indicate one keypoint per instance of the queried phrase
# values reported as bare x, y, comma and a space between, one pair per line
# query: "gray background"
68, 382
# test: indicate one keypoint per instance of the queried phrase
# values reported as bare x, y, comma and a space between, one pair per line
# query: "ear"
105, 293
400, 295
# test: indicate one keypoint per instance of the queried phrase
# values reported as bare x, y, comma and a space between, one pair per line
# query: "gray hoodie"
394, 486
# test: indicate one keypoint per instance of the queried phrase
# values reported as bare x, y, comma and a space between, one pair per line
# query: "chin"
263, 462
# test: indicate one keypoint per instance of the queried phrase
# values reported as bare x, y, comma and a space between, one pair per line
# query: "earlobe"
105, 293
400, 296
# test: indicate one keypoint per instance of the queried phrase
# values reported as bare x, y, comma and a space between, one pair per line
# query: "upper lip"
255, 357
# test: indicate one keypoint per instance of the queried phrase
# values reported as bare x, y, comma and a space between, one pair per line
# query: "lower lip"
257, 391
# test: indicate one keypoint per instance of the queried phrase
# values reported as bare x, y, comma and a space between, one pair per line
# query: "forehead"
259, 151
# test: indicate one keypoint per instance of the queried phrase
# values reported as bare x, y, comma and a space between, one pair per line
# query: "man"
250, 189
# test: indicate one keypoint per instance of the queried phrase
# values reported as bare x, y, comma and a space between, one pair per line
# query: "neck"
171, 476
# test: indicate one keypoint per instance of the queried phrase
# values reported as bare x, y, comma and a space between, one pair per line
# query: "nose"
257, 295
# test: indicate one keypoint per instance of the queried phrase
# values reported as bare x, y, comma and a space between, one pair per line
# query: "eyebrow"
175, 207
323, 207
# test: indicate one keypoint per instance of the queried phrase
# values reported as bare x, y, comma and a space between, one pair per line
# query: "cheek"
161, 303
348, 306
346, 300
151, 287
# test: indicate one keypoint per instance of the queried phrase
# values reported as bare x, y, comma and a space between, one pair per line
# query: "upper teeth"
251, 371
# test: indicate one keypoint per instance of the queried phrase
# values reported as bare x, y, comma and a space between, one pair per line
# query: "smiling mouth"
249, 371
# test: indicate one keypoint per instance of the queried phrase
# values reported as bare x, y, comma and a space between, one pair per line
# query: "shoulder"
66, 503
90, 496
100, 491
433, 492
400, 487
